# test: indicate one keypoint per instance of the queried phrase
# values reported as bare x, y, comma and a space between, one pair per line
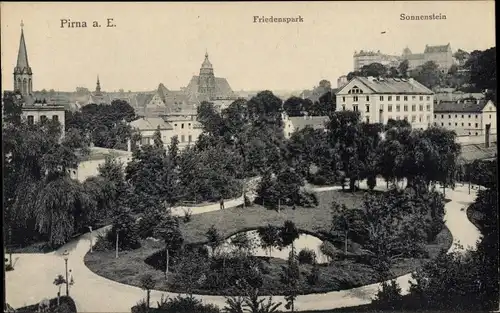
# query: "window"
435, 116
389, 98
405, 108
182, 138
456, 124
421, 98
442, 116
55, 118
490, 115
405, 98
189, 125
449, 124
476, 125
413, 97
455, 116
413, 118
428, 117
381, 98
462, 116
476, 116
421, 107
420, 118
343, 99
442, 124
469, 115
397, 118
462, 124
367, 98
413, 108
381, 107
367, 108
175, 125
469, 133
43, 119
469, 125
428, 107
145, 141
368, 119
343, 107
190, 138
355, 108
355, 98
406, 117
476, 133
182, 125
397, 108
449, 115
428, 98
389, 108
397, 98
30, 119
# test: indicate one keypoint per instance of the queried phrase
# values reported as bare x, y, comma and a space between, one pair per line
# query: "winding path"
31, 281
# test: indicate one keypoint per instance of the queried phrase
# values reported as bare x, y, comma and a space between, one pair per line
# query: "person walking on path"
221, 203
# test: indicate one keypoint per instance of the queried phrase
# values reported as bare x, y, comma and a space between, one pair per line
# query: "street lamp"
66, 255
90, 229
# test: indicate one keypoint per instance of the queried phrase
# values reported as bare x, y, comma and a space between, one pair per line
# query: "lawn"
340, 274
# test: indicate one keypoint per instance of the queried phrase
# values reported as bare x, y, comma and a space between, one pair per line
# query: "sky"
165, 43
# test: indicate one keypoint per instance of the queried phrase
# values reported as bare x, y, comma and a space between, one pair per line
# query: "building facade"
184, 126
363, 58
442, 55
379, 100
292, 124
466, 117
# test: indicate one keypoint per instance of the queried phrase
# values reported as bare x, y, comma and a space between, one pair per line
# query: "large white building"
381, 99
466, 118
184, 126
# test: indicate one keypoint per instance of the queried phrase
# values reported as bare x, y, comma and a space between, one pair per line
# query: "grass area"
340, 274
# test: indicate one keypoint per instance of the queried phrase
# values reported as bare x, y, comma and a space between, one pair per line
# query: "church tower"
22, 72
98, 86
206, 80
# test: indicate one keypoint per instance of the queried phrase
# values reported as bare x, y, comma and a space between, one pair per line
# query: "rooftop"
151, 123
460, 106
391, 86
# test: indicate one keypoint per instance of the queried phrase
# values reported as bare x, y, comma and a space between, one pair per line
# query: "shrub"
188, 304
313, 277
328, 249
389, 296
308, 199
307, 256
102, 243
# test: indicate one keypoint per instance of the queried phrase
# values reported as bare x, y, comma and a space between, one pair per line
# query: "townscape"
379, 194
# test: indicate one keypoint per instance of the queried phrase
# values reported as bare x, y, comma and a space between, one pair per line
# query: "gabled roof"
143, 98
390, 86
151, 123
460, 106
316, 122
436, 49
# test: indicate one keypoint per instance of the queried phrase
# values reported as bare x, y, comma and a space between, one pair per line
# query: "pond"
304, 241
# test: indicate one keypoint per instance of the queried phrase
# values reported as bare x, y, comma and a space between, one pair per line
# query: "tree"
147, 283
242, 242
290, 277
403, 68
125, 231
374, 69
214, 239
293, 106
269, 237
428, 74
168, 230
288, 233
59, 281
345, 220
157, 142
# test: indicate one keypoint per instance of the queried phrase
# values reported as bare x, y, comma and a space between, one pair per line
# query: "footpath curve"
31, 281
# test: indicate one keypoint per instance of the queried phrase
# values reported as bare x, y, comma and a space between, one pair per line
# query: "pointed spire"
98, 85
22, 56
206, 63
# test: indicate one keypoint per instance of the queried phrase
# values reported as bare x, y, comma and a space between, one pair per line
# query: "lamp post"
90, 229
66, 255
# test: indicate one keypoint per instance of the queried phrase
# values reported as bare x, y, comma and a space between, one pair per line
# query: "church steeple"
22, 71
206, 80
98, 86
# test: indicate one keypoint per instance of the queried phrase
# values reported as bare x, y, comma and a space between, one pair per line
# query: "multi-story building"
184, 126
379, 99
466, 117
34, 110
363, 58
292, 124
441, 55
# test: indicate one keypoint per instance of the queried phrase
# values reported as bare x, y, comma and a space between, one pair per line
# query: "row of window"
146, 140
182, 125
456, 115
413, 118
389, 98
389, 108
43, 119
456, 124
